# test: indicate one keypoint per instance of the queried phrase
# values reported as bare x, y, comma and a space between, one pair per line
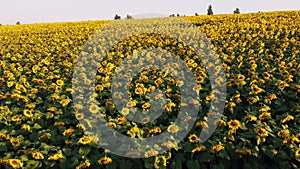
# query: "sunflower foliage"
259, 127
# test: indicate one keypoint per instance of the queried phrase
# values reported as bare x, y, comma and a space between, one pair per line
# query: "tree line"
209, 12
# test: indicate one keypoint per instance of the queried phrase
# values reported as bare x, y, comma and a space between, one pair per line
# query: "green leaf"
31, 164
193, 165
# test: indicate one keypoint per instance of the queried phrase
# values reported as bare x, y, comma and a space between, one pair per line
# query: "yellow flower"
222, 123
65, 102
255, 89
52, 109
173, 128
94, 109
59, 82
125, 111
243, 152
105, 161
193, 138
283, 133
261, 132
160, 161
26, 127
297, 153
14, 142
155, 130
56, 156
264, 115
139, 91
234, 124
99, 87
122, 120
146, 105
15, 163
288, 118
86, 164
10, 84
68, 132
28, 113
16, 118
218, 148
85, 140
37, 155
250, 118
112, 124
240, 77
198, 149
151, 153
202, 124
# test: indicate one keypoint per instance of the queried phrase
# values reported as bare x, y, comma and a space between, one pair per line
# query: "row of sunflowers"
260, 125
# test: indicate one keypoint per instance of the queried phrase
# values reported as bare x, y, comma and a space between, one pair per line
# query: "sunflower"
125, 111
243, 152
112, 124
68, 132
193, 138
287, 118
198, 149
250, 118
59, 82
283, 133
173, 128
14, 142
160, 161
79, 116
217, 148
56, 156
222, 123
202, 124
261, 132
151, 153
146, 105
93, 108
85, 140
234, 124
264, 115
37, 155
104, 161
139, 91
155, 130
16, 118
26, 127
15, 163
297, 153
255, 89
266, 75
28, 113
122, 120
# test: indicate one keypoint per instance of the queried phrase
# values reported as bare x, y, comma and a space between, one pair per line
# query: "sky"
41, 11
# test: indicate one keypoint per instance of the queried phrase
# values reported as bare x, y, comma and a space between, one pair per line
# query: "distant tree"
209, 10
0, 24
178, 15
117, 17
196, 14
237, 11
172, 15
18, 23
129, 17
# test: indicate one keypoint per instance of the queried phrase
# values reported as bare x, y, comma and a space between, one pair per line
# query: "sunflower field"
259, 128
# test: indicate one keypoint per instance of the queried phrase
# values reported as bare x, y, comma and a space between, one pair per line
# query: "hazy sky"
36, 11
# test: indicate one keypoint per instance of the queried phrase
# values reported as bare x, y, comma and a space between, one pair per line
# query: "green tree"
129, 17
237, 11
117, 17
18, 23
209, 10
